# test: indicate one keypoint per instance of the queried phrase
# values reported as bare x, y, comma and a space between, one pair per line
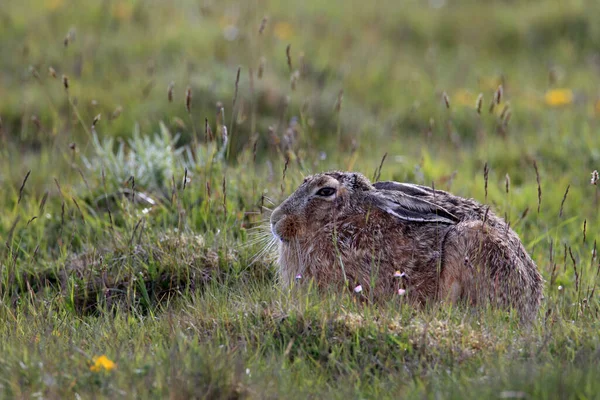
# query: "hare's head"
323, 199
317, 202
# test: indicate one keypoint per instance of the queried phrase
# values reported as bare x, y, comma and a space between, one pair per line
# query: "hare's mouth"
275, 233
282, 230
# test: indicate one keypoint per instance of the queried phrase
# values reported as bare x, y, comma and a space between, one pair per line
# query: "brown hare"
391, 238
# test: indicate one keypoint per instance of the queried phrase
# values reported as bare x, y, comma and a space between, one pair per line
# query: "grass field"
131, 261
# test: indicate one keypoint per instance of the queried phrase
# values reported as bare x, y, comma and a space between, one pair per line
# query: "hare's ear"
407, 188
411, 208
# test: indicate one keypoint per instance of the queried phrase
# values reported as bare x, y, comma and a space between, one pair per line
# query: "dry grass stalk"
207, 131
507, 183
36, 122
132, 180
285, 167
289, 56
506, 119
254, 148
188, 99
23, 186
261, 67
42, 205
378, 170
224, 135
170, 91
563, 200
539, 185
110, 218
83, 179
251, 81
479, 103
116, 113
485, 218
96, 120
574, 270
220, 115
52, 72
505, 110
303, 67
498, 95
446, 100
294, 79
492, 106
11, 231
338, 102
79, 209
486, 172
263, 25
185, 178
224, 197
553, 274
584, 232
237, 82
69, 37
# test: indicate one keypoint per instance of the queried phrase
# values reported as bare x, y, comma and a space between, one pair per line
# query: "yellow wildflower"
54, 4
102, 363
489, 82
464, 97
559, 97
283, 30
122, 10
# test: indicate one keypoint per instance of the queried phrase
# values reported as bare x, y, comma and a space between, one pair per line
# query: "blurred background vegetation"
105, 102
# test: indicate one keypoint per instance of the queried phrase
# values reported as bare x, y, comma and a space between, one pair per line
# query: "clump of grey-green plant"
150, 162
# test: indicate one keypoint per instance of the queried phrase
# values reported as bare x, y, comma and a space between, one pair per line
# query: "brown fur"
449, 248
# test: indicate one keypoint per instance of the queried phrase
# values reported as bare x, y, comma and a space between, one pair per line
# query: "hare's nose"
276, 215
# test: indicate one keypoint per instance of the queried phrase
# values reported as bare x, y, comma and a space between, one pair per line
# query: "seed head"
207, 131
170, 91
498, 94
479, 103
263, 25
338, 103
261, 67
288, 56
65, 80
446, 99
595, 177
115, 114
294, 79
188, 99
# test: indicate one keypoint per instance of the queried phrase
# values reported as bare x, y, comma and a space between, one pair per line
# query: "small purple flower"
399, 274
298, 277
358, 289
401, 292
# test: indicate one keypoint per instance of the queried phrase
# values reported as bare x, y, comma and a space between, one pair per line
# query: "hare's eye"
326, 192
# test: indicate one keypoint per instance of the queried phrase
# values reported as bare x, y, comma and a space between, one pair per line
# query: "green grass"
178, 294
